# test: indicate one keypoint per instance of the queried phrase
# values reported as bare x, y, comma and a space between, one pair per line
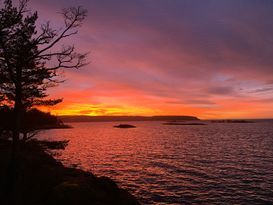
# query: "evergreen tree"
29, 65
30, 58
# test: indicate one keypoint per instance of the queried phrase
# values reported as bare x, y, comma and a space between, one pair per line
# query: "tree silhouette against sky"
30, 58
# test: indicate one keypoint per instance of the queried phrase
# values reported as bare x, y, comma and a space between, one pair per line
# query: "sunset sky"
207, 58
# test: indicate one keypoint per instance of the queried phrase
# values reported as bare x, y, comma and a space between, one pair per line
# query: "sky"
208, 58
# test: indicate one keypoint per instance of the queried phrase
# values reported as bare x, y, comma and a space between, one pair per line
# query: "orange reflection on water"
174, 164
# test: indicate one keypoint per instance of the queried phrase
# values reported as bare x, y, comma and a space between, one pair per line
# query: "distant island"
184, 123
125, 118
232, 121
125, 126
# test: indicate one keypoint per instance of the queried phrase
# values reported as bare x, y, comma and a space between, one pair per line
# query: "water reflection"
160, 164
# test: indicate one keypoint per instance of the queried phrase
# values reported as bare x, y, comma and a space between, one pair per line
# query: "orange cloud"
211, 60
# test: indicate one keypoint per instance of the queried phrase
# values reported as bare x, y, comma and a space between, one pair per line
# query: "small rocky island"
124, 126
232, 121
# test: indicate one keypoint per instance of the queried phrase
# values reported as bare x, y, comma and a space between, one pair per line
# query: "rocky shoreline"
45, 181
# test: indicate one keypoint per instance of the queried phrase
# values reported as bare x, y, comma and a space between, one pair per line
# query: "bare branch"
73, 19
23, 6
46, 35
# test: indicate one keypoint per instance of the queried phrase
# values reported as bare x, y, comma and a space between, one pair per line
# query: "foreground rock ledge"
45, 181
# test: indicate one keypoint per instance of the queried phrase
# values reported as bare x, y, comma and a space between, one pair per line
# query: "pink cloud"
198, 61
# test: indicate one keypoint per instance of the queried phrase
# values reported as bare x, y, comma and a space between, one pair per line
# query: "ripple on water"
213, 164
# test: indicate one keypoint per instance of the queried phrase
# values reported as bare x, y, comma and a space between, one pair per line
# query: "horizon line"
149, 116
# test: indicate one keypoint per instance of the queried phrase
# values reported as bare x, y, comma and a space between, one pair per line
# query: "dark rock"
232, 121
45, 181
124, 126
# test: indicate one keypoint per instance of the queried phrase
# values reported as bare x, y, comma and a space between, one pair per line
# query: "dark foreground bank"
45, 181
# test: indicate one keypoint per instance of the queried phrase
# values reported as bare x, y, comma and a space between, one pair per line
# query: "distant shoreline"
125, 118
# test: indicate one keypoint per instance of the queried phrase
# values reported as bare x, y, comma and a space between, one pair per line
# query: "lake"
219, 163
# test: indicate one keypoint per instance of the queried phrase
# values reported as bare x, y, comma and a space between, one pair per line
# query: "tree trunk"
15, 167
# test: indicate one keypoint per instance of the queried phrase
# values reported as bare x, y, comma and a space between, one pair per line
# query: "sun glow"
187, 69
97, 110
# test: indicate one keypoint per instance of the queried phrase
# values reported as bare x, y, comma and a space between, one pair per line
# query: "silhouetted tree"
29, 62
29, 59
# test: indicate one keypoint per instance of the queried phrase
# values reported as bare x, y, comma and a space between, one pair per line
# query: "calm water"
167, 164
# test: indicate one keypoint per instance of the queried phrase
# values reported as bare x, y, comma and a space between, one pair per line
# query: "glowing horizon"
207, 59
